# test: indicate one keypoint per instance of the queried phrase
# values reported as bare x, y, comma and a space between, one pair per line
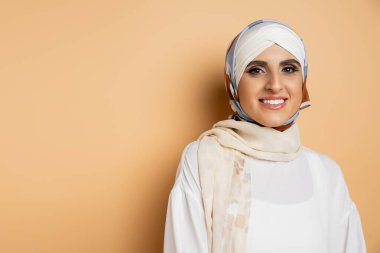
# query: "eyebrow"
264, 63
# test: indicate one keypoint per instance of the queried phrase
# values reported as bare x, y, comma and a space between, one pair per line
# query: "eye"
254, 71
290, 69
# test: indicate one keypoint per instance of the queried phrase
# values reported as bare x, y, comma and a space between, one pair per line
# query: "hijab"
248, 44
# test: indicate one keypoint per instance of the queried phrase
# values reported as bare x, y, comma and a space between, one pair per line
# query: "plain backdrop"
98, 99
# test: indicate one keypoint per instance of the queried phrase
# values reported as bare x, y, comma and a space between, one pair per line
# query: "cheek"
295, 90
248, 89
296, 97
300, 92
248, 94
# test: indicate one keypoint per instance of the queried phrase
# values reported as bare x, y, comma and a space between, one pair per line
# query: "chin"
271, 119
273, 123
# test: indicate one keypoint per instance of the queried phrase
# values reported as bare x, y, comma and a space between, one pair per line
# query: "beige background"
99, 98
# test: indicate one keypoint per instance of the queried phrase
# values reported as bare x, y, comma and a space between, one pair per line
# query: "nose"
274, 82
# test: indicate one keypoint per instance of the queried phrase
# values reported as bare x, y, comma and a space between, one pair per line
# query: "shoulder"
187, 176
339, 195
191, 149
189, 155
333, 175
330, 165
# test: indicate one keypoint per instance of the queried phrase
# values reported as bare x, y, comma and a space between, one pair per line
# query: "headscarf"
248, 44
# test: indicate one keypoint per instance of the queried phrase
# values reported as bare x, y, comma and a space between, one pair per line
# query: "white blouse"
300, 206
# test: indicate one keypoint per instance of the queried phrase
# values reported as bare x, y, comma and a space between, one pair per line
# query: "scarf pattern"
238, 205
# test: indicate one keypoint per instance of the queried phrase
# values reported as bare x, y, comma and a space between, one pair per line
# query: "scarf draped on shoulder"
226, 182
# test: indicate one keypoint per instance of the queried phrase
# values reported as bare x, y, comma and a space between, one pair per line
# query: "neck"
279, 128
283, 128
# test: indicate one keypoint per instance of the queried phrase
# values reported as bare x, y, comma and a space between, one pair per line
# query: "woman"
247, 184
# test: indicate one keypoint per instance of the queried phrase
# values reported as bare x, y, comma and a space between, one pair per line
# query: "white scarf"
226, 182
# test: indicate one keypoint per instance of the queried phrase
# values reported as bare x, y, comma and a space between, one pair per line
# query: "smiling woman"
248, 185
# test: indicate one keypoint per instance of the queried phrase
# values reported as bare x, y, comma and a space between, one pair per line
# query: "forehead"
275, 52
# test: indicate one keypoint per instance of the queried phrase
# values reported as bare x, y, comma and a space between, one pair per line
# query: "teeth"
274, 102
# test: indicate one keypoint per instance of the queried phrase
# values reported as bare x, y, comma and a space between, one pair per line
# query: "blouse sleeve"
355, 242
185, 228
346, 234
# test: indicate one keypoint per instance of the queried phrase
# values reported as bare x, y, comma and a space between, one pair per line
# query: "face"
270, 90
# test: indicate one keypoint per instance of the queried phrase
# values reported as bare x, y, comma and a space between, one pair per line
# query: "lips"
273, 102
273, 98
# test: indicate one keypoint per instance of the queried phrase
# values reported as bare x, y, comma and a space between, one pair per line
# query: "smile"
273, 104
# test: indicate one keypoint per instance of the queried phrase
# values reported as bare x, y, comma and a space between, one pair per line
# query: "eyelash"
294, 69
